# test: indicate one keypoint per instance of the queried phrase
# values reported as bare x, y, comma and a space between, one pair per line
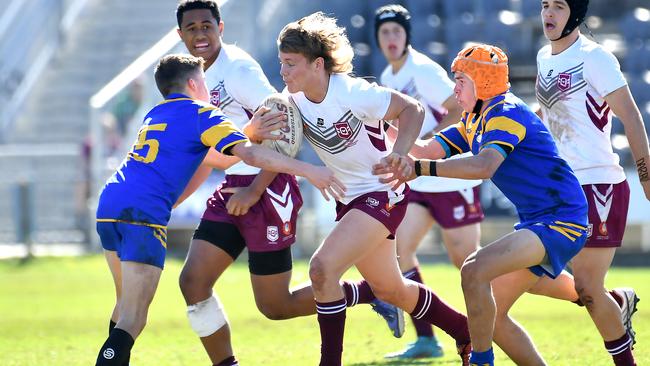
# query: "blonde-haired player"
343, 122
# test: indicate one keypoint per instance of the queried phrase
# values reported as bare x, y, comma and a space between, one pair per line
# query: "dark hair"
173, 71
393, 13
186, 5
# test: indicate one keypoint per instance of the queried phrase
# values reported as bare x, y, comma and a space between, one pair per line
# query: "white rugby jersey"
570, 88
238, 86
423, 79
346, 131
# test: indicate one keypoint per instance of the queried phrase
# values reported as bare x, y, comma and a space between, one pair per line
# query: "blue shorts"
562, 241
134, 242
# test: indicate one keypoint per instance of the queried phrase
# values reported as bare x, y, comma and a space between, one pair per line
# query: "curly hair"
318, 35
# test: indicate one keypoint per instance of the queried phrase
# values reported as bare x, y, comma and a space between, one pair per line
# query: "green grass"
55, 312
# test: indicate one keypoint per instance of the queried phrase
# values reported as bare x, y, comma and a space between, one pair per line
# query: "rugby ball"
291, 134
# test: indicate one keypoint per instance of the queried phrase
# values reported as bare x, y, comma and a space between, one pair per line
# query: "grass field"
55, 312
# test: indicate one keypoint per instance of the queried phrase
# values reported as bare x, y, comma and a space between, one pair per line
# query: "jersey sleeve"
453, 139
250, 85
603, 72
503, 134
434, 85
369, 101
217, 130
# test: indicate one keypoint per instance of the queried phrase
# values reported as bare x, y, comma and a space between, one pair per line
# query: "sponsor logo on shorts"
286, 228
459, 212
272, 233
602, 228
108, 353
372, 202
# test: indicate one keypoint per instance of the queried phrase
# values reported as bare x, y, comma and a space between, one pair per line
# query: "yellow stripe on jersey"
507, 125
448, 141
134, 223
174, 100
214, 134
562, 231
208, 108
571, 224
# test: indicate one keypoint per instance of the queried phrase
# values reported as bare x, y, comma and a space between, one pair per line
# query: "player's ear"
180, 33
220, 28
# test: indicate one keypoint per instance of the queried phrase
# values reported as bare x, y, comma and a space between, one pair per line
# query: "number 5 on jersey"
151, 143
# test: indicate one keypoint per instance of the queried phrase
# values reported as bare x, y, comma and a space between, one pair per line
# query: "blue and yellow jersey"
533, 176
171, 144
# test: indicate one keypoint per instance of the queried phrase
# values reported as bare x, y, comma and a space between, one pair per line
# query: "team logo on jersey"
320, 122
590, 230
372, 202
550, 72
272, 233
459, 212
214, 97
564, 81
343, 129
108, 353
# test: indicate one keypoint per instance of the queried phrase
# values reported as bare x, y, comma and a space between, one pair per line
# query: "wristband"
425, 168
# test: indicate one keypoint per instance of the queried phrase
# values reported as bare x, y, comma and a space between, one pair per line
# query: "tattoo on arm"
642, 169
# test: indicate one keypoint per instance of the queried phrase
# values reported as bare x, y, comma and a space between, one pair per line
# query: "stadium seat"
637, 58
636, 24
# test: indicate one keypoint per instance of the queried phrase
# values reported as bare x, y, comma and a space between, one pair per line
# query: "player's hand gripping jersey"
423, 79
171, 144
533, 176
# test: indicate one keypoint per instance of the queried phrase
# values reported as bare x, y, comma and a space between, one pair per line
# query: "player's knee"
469, 274
190, 282
207, 317
586, 292
318, 272
272, 310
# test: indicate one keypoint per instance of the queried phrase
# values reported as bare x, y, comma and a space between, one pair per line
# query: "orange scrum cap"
487, 66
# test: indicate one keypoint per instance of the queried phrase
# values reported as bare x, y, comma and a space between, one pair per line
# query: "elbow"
487, 172
247, 154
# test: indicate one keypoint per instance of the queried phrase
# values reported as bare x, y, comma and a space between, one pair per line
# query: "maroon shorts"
270, 224
377, 205
608, 204
451, 209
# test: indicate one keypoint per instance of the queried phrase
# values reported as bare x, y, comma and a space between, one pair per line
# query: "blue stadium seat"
634, 26
514, 39
462, 30
637, 59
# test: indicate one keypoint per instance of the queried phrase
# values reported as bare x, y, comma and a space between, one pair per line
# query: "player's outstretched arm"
623, 106
321, 177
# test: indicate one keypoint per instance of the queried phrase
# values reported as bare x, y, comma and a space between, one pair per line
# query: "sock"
230, 361
617, 298
482, 358
115, 351
357, 293
331, 319
433, 310
621, 351
422, 328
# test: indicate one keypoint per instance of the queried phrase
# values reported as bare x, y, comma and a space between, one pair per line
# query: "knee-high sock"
331, 319
422, 328
621, 351
433, 310
357, 292
116, 350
